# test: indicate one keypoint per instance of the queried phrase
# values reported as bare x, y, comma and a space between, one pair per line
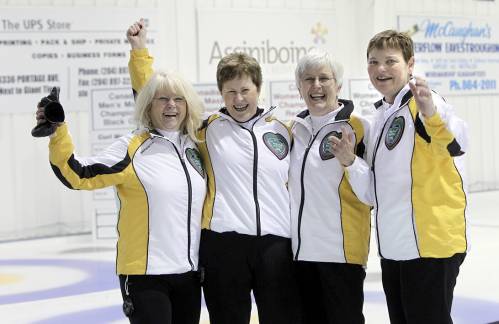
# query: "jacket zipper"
375, 152
302, 175
255, 169
302, 197
255, 182
189, 205
302, 185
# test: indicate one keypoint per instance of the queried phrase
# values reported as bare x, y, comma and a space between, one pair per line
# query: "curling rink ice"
72, 279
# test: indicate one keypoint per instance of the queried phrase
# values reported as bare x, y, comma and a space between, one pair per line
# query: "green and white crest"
395, 132
194, 159
326, 147
277, 144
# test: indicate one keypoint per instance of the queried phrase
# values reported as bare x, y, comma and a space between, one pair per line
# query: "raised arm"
140, 63
448, 132
108, 168
105, 169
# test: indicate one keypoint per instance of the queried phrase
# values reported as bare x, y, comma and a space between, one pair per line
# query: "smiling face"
389, 71
168, 110
319, 89
240, 96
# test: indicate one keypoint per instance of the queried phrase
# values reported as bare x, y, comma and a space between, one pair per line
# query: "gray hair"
318, 58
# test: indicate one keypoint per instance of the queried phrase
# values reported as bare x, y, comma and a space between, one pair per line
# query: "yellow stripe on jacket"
438, 196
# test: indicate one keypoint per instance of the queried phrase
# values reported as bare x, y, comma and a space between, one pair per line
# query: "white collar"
389, 109
316, 122
172, 136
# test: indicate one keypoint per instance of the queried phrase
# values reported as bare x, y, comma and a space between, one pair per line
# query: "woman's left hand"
343, 148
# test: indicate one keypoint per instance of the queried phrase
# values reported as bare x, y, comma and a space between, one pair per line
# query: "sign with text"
285, 96
87, 58
112, 113
112, 109
42, 47
458, 56
364, 95
277, 39
209, 94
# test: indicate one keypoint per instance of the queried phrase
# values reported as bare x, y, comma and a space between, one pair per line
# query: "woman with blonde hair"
160, 183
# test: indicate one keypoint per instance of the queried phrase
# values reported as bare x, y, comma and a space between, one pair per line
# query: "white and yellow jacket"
247, 170
161, 188
329, 223
247, 166
416, 180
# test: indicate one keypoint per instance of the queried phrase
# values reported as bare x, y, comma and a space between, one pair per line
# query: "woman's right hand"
137, 34
49, 114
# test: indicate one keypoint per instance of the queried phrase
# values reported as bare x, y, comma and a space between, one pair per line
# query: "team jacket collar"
153, 133
401, 99
342, 115
260, 112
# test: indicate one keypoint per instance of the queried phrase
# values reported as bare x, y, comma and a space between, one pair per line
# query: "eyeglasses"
323, 80
165, 100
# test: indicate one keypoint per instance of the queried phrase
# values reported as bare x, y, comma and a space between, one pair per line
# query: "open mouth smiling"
240, 109
317, 97
383, 79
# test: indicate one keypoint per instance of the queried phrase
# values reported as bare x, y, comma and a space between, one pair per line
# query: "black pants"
332, 293
166, 299
235, 264
420, 290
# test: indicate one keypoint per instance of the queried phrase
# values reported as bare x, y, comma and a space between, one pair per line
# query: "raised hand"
343, 148
137, 34
422, 95
49, 114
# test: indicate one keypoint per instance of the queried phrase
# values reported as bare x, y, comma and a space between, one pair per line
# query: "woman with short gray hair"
330, 226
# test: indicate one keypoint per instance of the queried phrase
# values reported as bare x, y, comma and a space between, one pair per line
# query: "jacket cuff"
354, 166
139, 52
434, 120
59, 133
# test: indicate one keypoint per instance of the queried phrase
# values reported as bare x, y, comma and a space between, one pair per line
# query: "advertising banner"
364, 95
77, 49
273, 37
458, 56
85, 53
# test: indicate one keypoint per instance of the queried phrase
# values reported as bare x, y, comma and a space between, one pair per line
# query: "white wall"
33, 201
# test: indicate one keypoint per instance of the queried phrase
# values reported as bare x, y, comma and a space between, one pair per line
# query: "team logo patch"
194, 159
277, 144
394, 133
326, 147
